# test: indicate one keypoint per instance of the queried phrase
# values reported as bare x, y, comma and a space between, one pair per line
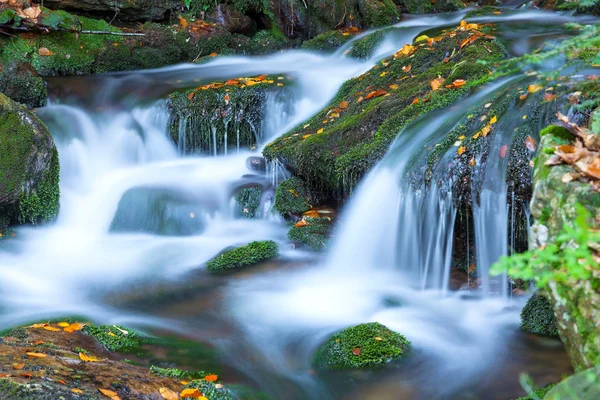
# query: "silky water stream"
389, 262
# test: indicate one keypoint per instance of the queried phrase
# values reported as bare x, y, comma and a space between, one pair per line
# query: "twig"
343, 17
109, 33
85, 32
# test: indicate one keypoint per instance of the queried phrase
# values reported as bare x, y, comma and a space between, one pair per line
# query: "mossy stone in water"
243, 256
361, 346
248, 201
327, 42
538, 317
315, 235
292, 197
115, 338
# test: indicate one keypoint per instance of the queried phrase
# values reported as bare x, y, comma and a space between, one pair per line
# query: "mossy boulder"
327, 42
537, 316
248, 201
314, 233
21, 83
115, 338
29, 167
334, 149
361, 346
243, 256
292, 197
211, 390
223, 117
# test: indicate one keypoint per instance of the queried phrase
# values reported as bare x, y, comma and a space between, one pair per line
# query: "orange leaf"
77, 391
549, 96
530, 143
407, 68
61, 381
344, 104
87, 358
110, 393
4, 375
36, 355
43, 51
299, 224
356, 351
503, 151
394, 86
18, 366
191, 95
51, 328
168, 394
566, 148
436, 83
213, 54
183, 22
190, 393
25, 375
457, 84
461, 150
75, 326
213, 377
415, 101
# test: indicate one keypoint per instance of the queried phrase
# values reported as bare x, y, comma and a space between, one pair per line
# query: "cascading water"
135, 211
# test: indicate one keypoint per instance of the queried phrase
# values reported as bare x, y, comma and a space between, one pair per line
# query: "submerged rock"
361, 346
537, 316
29, 167
243, 256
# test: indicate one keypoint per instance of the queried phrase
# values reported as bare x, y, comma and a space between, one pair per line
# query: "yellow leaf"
305, 136
36, 355
63, 324
110, 393
436, 83
320, 130
534, 88
421, 38
461, 137
394, 86
18, 366
280, 84
378, 338
75, 326
292, 191
38, 325
77, 391
168, 394
51, 328
383, 74
461, 150
494, 120
87, 358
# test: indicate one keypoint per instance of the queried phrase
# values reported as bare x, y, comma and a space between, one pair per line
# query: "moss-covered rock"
537, 316
360, 346
292, 197
21, 83
243, 256
333, 150
29, 167
328, 42
222, 117
211, 390
248, 201
429, 6
314, 234
131, 10
115, 338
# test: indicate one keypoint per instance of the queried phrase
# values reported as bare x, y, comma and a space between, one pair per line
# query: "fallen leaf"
472, 162
38, 326
394, 86
530, 143
213, 54
191, 95
301, 223
25, 375
36, 355
503, 151
549, 96
407, 68
376, 93
168, 394
436, 83
51, 328
75, 326
415, 101
461, 150
493, 120
18, 366
183, 22
190, 393
321, 130
356, 351
87, 358
77, 391
61, 381
213, 377
534, 88
378, 338
344, 104
457, 84
30, 12
43, 51
293, 192
110, 393
568, 177
63, 324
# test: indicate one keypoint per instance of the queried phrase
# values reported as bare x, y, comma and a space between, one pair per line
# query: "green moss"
538, 394
20, 82
177, 373
538, 317
378, 12
482, 12
315, 235
43, 204
557, 132
210, 390
365, 47
242, 256
292, 197
115, 338
248, 200
364, 345
327, 42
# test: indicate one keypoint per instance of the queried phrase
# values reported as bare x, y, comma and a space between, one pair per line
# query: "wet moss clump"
327, 42
292, 197
243, 256
115, 338
248, 201
177, 373
538, 317
210, 390
314, 235
360, 346
20, 82
365, 47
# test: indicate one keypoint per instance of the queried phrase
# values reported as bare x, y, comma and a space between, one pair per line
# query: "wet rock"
312, 232
20, 82
292, 198
243, 256
142, 10
232, 20
537, 316
248, 201
361, 346
29, 167
257, 164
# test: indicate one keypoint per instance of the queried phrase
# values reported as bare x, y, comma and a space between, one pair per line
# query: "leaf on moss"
168, 394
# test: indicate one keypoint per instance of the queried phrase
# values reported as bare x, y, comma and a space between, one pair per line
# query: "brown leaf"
549, 96
44, 52
18, 366
36, 355
356, 351
407, 68
530, 143
436, 83
593, 169
344, 104
30, 13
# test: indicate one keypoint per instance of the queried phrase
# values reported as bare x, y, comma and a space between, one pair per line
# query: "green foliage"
315, 235
538, 317
115, 338
177, 373
243, 256
569, 256
360, 346
292, 197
